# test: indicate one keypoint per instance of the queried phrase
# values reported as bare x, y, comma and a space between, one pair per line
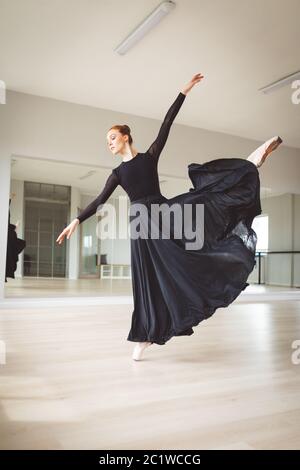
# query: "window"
261, 227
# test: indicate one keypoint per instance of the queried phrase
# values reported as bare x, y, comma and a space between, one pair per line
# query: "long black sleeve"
157, 146
110, 185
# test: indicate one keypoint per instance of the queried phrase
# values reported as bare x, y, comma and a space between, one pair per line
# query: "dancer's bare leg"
139, 349
260, 154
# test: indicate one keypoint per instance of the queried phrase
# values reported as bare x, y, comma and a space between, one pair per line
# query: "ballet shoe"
139, 349
260, 154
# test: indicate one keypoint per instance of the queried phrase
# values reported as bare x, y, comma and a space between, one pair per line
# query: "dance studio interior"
70, 70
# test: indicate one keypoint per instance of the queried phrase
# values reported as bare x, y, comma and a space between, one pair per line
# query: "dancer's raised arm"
159, 143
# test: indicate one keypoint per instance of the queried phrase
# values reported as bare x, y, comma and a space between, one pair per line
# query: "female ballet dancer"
175, 288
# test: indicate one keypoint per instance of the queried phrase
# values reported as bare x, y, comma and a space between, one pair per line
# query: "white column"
4, 207
16, 215
73, 242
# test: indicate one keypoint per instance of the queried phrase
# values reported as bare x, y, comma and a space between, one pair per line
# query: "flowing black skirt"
175, 287
14, 247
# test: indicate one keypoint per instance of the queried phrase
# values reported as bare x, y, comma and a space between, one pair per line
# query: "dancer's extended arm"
157, 146
159, 143
110, 185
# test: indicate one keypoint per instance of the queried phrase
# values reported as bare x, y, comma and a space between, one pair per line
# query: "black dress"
175, 288
15, 246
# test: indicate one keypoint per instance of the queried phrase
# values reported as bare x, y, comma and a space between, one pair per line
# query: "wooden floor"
69, 381
28, 287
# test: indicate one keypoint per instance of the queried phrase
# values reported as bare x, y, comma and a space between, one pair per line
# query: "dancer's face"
116, 141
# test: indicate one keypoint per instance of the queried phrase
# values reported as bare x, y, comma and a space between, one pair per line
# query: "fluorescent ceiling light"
87, 175
142, 29
280, 83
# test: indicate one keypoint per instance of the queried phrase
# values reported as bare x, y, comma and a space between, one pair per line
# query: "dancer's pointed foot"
260, 154
139, 349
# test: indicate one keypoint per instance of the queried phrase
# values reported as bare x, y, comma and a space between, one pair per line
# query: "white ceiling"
63, 49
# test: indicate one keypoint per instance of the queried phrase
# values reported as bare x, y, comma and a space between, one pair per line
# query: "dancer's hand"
67, 231
196, 78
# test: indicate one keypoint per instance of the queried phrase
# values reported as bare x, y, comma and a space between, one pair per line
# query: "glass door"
46, 214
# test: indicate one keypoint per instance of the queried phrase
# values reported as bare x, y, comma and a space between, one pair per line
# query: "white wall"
58, 130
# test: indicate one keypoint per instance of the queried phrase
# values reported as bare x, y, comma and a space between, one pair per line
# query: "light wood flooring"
69, 381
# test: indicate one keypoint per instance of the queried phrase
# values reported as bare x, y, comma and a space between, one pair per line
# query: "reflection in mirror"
48, 195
